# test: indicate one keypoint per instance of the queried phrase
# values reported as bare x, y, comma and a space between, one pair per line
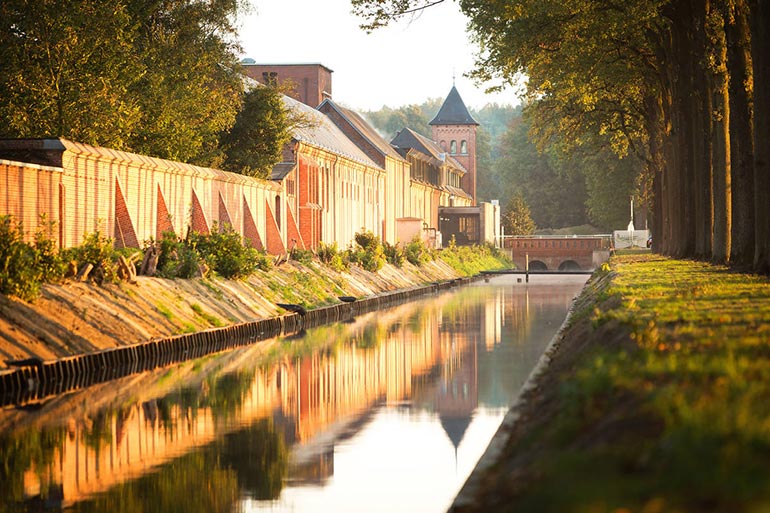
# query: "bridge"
562, 253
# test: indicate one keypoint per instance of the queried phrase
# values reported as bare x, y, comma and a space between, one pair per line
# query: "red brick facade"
311, 83
444, 135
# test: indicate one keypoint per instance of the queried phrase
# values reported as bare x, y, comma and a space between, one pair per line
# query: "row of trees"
556, 187
157, 77
681, 85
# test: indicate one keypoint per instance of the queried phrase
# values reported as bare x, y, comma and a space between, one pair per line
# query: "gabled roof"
349, 120
453, 111
408, 138
326, 135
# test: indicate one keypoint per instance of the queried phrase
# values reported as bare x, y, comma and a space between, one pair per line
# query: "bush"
332, 257
369, 253
178, 258
417, 253
223, 250
18, 273
98, 251
303, 256
394, 254
326, 252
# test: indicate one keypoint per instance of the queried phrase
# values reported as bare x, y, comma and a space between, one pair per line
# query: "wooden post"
526, 267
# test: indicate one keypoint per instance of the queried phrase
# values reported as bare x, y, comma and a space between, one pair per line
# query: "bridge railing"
604, 240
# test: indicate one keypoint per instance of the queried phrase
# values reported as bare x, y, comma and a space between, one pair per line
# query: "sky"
397, 65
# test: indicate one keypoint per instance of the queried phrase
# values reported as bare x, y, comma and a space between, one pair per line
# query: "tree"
517, 219
68, 72
192, 88
671, 82
262, 128
554, 191
157, 77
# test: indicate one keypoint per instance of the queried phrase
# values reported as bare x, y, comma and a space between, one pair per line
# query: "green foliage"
550, 186
330, 255
368, 252
223, 250
393, 254
471, 260
303, 256
158, 78
177, 258
18, 274
68, 71
417, 253
262, 128
98, 251
517, 219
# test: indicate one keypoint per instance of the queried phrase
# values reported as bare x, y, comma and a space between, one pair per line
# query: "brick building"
339, 177
455, 130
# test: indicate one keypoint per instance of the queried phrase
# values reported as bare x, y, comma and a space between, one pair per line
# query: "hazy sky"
397, 65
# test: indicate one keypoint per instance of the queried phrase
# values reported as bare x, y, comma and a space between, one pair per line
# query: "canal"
391, 414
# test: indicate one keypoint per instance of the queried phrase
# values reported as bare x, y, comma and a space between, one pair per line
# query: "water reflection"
390, 416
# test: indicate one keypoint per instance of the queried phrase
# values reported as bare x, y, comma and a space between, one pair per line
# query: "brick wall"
128, 197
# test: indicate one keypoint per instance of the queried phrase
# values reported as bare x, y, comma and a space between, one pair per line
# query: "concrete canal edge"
33, 379
466, 497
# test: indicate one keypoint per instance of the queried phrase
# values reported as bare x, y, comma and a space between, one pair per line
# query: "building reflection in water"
226, 429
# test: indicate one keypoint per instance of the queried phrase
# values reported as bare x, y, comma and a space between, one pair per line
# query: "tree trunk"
701, 108
720, 121
741, 139
682, 130
760, 58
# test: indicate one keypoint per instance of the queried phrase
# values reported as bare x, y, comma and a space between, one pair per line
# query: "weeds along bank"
654, 400
46, 311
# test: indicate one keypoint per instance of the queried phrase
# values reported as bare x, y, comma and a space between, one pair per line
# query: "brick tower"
455, 131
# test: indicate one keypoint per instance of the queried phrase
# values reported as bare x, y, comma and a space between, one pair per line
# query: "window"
464, 147
453, 147
278, 211
443, 145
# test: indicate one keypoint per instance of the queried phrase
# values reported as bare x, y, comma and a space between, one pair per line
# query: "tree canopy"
681, 85
158, 77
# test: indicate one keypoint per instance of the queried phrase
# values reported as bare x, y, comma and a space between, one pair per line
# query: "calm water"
392, 415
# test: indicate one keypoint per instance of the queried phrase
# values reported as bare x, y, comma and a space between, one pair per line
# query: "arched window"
278, 211
464, 147
443, 145
453, 147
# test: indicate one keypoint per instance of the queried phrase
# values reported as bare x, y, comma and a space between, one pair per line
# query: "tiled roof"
359, 124
453, 111
408, 138
326, 135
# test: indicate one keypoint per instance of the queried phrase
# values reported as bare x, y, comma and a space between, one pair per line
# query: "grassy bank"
658, 399
71, 317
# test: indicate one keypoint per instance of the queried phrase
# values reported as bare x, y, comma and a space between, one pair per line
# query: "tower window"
453, 147
464, 147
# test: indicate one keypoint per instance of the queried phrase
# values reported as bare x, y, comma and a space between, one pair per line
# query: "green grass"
164, 311
211, 319
678, 417
470, 260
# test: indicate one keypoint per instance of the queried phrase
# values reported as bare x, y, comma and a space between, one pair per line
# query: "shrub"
369, 253
98, 251
417, 253
394, 254
303, 256
327, 251
223, 250
18, 274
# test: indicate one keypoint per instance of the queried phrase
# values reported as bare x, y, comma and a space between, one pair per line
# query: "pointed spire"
453, 111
